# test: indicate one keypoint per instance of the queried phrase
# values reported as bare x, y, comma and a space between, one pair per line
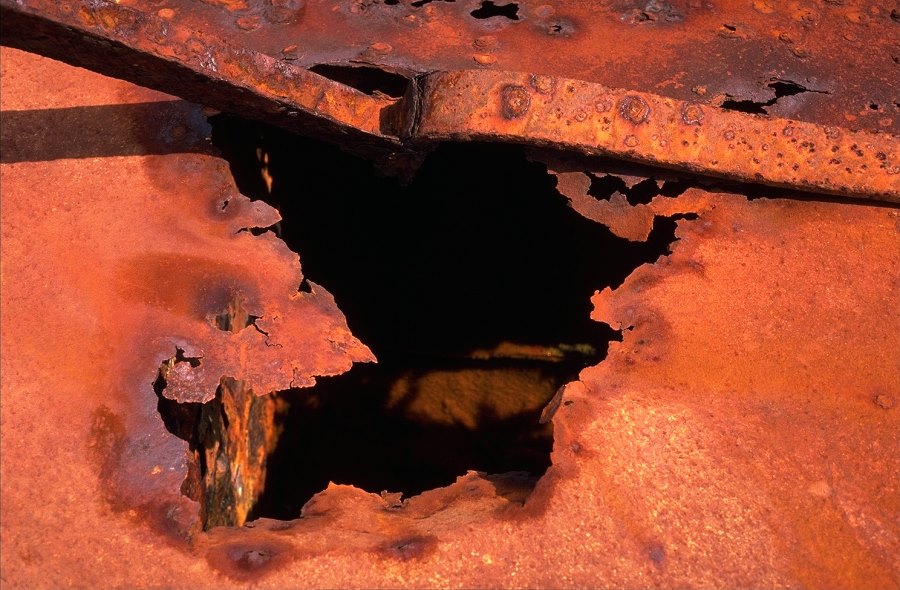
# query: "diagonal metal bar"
212, 66
576, 115
155, 51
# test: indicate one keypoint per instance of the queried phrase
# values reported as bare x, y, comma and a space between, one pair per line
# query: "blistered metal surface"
817, 106
575, 115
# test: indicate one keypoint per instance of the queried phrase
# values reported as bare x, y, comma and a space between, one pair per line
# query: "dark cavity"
471, 284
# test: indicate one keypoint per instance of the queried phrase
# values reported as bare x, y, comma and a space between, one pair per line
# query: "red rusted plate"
743, 433
111, 266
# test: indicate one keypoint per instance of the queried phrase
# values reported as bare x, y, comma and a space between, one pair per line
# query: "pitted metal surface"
820, 114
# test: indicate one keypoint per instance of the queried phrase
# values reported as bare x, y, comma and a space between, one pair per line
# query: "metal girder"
254, 58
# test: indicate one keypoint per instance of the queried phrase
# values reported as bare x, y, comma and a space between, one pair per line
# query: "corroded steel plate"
743, 433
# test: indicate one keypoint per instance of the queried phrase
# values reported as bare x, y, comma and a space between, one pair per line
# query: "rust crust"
226, 56
650, 128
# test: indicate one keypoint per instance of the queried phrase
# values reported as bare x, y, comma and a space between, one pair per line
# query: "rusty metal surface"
160, 255
251, 57
743, 433
156, 51
573, 115
845, 54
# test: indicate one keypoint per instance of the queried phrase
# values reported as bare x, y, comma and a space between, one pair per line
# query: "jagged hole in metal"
781, 89
471, 284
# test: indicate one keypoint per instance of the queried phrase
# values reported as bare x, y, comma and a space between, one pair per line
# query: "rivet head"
381, 47
692, 114
543, 84
515, 101
486, 42
634, 109
603, 105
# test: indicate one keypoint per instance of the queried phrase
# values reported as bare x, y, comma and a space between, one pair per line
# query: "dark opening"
421, 3
782, 88
365, 79
471, 285
638, 193
787, 88
746, 106
489, 9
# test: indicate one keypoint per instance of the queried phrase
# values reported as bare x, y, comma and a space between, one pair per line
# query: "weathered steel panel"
742, 434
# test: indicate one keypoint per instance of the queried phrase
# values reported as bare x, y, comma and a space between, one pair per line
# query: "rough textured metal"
573, 115
153, 49
743, 433
140, 273
250, 57
842, 56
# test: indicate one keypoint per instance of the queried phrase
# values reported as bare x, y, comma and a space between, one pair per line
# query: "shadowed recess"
164, 127
365, 79
471, 284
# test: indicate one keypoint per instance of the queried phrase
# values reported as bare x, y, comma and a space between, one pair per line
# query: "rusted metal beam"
838, 60
201, 59
154, 50
589, 118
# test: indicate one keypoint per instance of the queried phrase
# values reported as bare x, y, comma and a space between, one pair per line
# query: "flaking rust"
579, 116
176, 281
689, 51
